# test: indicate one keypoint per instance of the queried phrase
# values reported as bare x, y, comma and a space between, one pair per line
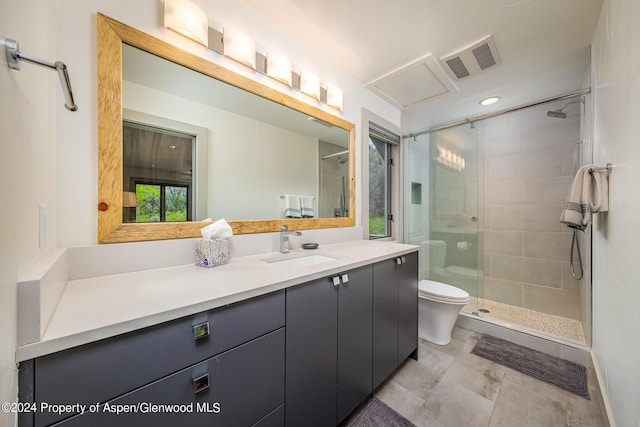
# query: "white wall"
76, 34
616, 283
30, 101
250, 163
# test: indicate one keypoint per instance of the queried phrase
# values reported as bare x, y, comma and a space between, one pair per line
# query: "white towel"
600, 198
589, 194
292, 206
306, 203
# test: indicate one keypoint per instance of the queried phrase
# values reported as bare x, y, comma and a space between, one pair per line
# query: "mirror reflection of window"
158, 169
161, 202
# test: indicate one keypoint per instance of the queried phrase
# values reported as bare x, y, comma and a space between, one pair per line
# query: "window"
161, 202
381, 144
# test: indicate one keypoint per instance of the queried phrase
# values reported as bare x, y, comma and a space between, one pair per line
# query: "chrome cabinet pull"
345, 278
200, 383
201, 330
398, 261
336, 280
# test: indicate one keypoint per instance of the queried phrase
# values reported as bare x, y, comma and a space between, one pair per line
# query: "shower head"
559, 114
342, 160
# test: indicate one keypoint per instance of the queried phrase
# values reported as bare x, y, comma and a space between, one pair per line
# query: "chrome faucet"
284, 238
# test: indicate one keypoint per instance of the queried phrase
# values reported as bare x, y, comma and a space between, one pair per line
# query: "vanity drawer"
106, 369
245, 387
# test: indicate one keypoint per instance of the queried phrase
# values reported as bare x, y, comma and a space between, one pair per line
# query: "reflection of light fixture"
334, 97
186, 18
450, 159
172, 147
490, 100
310, 84
238, 46
279, 67
129, 199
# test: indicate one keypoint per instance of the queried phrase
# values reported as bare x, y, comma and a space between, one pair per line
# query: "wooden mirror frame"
111, 35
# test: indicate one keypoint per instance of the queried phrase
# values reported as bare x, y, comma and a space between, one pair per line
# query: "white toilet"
438, 307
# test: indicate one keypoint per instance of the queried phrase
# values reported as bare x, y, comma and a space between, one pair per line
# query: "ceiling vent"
420, 80
472, 60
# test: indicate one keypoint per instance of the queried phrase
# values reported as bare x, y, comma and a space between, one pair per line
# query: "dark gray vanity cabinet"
408, 306
395, 314
355, 298
232, 356
385, 320
328, 348
304, 356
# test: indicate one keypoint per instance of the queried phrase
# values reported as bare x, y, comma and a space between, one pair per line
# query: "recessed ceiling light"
490, 100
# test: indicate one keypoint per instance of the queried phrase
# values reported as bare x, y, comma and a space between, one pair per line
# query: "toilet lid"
442, 291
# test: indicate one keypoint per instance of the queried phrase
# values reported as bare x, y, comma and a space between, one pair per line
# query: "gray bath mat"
562, 373
377, 414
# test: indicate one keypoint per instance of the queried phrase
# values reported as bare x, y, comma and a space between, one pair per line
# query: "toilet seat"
442, 292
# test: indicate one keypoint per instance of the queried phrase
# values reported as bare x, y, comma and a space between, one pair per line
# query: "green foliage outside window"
149, 203
377, 191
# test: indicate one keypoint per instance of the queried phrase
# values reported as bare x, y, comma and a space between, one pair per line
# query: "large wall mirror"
183, 141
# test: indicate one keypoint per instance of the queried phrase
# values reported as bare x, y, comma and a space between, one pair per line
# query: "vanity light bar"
241, 48
279, 68
187, 19
310, 84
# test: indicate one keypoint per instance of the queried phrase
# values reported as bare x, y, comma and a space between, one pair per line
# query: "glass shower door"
441, 207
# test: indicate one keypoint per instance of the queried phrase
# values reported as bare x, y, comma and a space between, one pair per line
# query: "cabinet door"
311, 348
408, 306
385, 319
354, 340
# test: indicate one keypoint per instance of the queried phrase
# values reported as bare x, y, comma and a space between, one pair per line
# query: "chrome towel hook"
14, 56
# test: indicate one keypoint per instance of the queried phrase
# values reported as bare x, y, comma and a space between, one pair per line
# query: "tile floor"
450, 387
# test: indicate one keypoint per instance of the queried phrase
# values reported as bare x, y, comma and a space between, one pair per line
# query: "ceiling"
397, 45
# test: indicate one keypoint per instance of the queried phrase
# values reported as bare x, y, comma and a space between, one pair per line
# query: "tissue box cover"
212, 252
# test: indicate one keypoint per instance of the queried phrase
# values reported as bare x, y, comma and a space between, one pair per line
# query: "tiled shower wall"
529, 163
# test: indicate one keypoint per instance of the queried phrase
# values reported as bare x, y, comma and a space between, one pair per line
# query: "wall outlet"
42, 215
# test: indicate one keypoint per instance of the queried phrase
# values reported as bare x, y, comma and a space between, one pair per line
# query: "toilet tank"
432, 253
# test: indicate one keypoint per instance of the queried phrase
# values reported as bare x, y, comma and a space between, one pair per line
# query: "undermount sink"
299, 261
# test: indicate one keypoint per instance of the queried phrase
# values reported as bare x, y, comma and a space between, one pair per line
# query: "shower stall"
483, 200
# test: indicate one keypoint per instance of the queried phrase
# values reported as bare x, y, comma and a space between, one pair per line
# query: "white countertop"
100, 307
